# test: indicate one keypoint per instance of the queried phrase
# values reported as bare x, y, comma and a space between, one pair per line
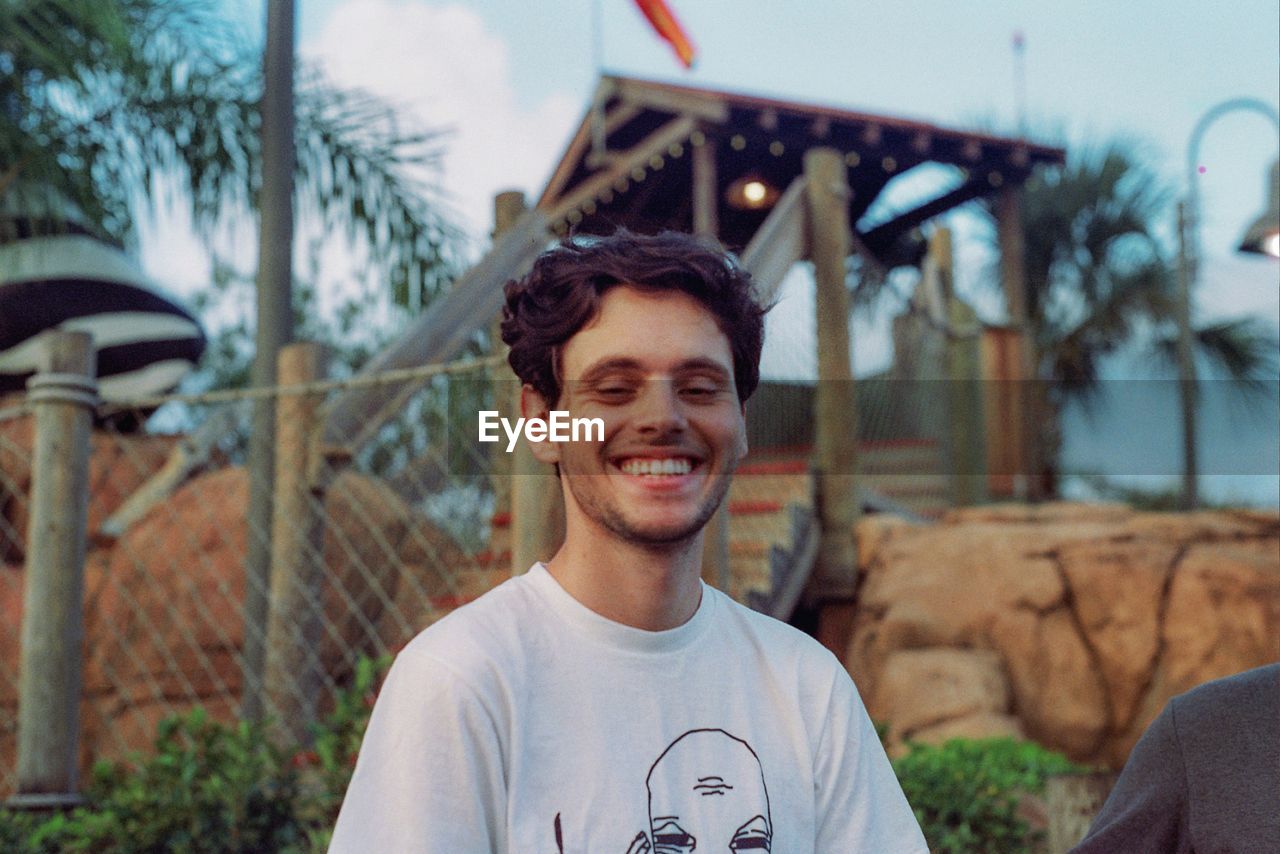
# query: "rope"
399, 375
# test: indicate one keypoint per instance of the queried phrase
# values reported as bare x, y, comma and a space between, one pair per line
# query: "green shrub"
211, 787
965, 793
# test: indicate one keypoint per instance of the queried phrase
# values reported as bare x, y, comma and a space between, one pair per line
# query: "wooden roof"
644, 180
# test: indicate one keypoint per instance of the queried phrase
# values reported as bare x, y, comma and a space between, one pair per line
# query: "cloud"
443, 69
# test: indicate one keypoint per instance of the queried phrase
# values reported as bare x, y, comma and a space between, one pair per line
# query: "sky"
510, 80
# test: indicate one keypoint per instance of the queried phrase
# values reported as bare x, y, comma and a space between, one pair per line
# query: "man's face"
656, 368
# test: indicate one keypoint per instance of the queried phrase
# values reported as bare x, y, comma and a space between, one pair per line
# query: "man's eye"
754, 843
697, 391
672, 839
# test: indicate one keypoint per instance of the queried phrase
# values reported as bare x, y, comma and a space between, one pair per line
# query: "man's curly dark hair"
561, 294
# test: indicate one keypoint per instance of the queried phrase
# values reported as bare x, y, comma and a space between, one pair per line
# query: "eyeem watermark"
559, 428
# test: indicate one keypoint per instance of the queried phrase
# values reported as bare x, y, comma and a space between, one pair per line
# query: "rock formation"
1069, 624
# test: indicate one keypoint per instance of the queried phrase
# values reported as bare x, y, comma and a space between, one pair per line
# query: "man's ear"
742, 436
534, 405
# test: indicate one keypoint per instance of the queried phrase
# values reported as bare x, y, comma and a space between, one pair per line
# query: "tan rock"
873, 531
1223, 615
118, 465
1038, 514
944, 585
921, 688
1116, 589
11, 588
1204, 525
1058, 693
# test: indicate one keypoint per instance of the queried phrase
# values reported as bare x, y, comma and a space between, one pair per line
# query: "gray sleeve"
1147, 809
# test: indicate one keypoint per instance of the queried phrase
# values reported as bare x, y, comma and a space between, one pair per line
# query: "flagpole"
597, 107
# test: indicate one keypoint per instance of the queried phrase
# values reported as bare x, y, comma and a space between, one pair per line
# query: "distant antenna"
1020, 80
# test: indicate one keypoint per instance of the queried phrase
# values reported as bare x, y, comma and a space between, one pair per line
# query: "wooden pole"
536, 502
63, 395
1013, 278
715, 539
965, 453
275, 326
835, 404
706, 188
507, 208
294, 629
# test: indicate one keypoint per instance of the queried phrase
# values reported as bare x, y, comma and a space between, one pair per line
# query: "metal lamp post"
1263, 236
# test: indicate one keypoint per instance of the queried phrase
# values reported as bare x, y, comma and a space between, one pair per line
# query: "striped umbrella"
146, 342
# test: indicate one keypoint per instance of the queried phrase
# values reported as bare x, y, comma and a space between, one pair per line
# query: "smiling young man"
609, 701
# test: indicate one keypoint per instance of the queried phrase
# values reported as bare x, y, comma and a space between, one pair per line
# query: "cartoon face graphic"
707, 793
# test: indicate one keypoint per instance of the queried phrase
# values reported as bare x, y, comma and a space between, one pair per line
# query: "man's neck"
639, 586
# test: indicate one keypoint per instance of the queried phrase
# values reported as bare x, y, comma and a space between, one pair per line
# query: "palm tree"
1099, 279
97, 99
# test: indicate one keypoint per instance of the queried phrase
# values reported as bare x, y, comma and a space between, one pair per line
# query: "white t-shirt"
525, 722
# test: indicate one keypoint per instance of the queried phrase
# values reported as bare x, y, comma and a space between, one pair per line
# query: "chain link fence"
388, 513
370, 542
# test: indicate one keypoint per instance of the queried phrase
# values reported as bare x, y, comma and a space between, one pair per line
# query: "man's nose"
659, 409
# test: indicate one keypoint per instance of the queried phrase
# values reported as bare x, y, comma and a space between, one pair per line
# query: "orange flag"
666, 25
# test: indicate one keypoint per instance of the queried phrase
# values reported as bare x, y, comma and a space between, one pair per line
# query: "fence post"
292, 676
508, 206
63, 395
835, 407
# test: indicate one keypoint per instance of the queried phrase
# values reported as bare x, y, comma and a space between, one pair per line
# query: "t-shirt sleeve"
1146, 811
860, 806
429, 778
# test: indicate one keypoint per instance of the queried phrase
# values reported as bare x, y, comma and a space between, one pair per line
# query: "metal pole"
275, 329
1186, 362
63, 394
1188, 262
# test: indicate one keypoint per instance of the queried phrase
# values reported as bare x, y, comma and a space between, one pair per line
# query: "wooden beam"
439, 334
706, 189
835, 406
676, 130
708, 108
779, 242
579, 146
880, 238
1013, 279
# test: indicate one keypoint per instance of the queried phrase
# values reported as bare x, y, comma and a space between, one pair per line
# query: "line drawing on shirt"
706, 792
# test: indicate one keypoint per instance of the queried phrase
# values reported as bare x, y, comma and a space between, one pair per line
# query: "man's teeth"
667, 466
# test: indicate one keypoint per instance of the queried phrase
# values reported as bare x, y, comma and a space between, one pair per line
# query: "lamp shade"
1263, 236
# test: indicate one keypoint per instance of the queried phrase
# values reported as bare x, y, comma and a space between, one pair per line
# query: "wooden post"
965, 452
706, 188
835, 405
536, 502
965, 405
1013, 279
1073, 801
63, 394
508, 206
294, 630
706, 197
